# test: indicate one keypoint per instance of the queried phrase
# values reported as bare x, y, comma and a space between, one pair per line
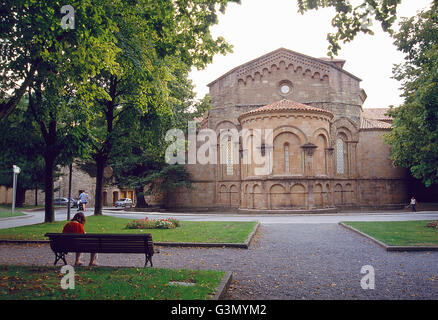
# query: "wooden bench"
63, 243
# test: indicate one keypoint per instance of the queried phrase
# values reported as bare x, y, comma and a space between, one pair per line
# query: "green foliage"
88, 85
414, 139
351, 20
108, 283
399, 233
54, 65
147, 223
189, 231
159, 42
34, 43
21, 145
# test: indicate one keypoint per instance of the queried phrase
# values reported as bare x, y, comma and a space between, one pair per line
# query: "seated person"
76, 225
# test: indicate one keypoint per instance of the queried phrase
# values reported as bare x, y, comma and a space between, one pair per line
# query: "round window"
285, 89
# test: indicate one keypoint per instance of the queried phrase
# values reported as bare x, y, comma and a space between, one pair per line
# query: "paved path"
287, 261
288, 218
61, 215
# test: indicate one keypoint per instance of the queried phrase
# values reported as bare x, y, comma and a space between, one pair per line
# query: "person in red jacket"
76, 225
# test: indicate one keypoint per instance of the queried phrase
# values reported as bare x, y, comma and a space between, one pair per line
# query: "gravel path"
289, 261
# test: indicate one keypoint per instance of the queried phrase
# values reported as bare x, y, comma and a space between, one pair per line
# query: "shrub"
175, 221
433, 224
165, 224
141, 224
147, 223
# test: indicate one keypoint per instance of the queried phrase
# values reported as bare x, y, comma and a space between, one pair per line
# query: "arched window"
340, 156
229, 158
287, 154
319, 157
286, 158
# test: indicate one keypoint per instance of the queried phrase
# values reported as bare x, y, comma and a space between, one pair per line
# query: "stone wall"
258, 83
5, 195
80, 181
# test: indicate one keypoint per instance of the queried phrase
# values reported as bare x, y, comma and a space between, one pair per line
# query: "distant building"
327, 150
80, 181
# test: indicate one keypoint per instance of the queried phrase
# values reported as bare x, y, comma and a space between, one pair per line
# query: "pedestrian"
76, 225
83, 198
413, 203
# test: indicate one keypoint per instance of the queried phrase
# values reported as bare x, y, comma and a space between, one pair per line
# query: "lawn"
399, 233
5, 213
190, 231
106, 283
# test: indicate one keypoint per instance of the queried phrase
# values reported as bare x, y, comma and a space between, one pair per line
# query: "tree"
21, 145
351, 20
31, 34
155, 39
53, 65
414, 138
139, 157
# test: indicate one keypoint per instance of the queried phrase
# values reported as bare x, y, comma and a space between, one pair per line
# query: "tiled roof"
376, 114
369, 124
286, 105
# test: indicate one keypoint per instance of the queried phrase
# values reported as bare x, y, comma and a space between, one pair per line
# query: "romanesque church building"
327, 150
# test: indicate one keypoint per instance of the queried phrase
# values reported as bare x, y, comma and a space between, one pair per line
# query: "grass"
399, 233
8, 213
106, 283
8, 207
190, 231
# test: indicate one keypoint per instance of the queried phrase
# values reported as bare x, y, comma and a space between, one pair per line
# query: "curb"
223, 286
251, 235
391, 248
26, 215
244, 245
8, 241
201, 245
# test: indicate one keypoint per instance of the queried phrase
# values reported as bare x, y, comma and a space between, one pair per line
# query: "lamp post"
69, 190
16, 171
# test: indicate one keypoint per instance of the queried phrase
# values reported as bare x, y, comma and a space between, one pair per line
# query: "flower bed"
433, 224
170, 223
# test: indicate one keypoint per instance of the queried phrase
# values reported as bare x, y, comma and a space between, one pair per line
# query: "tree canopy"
31, 34
354, 17
158, 42
414, 138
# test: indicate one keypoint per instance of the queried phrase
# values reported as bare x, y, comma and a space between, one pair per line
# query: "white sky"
257, 27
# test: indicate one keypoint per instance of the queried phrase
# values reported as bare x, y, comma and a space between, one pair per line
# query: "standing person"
83, 197
76, 225
413, 203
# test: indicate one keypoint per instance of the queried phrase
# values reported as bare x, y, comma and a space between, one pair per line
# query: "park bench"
63, 243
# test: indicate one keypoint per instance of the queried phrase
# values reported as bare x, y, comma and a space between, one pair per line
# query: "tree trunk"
102, 156
100, 164
21, 197
49, 161
141, 202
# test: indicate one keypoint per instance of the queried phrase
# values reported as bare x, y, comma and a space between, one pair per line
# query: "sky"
257, 27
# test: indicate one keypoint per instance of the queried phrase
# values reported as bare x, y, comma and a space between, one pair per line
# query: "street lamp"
16, 171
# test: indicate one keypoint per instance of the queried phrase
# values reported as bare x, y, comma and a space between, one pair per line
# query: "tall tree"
414, 138
54, 64
155, 37
139, 156
22, 152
